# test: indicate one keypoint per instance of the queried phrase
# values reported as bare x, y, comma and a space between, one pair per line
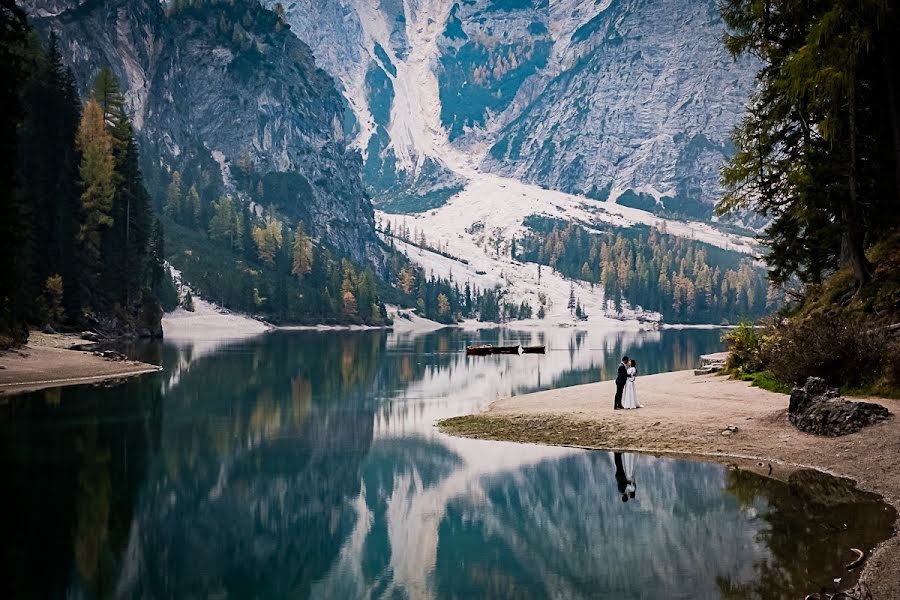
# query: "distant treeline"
443, 300
80, 244
685, 280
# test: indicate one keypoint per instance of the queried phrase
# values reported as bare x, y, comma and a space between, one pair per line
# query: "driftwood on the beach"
858, 592
860, 557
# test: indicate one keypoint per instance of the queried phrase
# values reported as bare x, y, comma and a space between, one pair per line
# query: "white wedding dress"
629, 397
628, 464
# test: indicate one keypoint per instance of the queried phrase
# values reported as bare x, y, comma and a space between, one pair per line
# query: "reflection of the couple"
625, 475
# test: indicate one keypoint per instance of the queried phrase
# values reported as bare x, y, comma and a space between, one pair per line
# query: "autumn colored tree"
97, 179
302, 252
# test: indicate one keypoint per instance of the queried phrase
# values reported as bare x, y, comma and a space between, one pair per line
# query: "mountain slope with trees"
684, 280
82, 246
243, 150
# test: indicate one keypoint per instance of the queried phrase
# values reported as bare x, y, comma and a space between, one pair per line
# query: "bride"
629, 398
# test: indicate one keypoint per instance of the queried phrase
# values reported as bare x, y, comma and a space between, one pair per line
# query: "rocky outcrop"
819, 409
229, 83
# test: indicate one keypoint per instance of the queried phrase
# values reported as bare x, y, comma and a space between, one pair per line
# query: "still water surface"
306, 464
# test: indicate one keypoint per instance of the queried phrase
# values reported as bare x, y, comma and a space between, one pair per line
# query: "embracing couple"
626, 396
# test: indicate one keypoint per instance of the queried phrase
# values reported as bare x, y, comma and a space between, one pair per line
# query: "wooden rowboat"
487, 349
517, 349
534, 349
480, 350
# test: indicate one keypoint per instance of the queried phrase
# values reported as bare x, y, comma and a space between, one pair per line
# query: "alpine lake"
306, 464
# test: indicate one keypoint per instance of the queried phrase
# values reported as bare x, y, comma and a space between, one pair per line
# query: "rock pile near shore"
818, 409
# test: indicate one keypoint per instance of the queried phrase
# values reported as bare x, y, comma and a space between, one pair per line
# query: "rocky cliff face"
227, 82
595, 98
642, 98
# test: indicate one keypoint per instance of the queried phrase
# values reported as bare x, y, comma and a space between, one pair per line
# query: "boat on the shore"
488, 349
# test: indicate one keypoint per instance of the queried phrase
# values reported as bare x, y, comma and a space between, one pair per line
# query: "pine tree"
571, 304
818, 152
223, 225
407, 281
268, 240
172, 206
302, 252
443, 305
14, 218
194, 207
97, 179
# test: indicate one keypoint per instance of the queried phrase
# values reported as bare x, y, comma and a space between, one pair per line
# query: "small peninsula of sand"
47, 361
684, 413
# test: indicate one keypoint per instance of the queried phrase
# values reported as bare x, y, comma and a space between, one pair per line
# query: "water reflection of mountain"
560, 529
306, 464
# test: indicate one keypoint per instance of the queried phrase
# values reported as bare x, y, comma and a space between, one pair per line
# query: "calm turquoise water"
306, 464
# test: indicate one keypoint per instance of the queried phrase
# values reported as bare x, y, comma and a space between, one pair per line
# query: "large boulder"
819, 409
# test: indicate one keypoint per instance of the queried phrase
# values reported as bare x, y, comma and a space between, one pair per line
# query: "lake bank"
687, 414
48, 360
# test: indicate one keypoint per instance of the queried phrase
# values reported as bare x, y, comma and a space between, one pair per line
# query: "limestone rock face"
816, 408
601, 98
208, 84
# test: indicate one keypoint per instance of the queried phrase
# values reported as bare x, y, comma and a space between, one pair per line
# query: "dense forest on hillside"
81, 246
685, 280
818, 154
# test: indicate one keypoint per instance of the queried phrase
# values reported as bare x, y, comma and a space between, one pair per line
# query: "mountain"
475, 116
623, 99
228, 96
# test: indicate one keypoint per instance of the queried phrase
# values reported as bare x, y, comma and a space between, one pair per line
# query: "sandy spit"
683, 413
46, 361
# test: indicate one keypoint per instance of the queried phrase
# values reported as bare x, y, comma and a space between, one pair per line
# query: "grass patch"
877, 390
539, 429
764, 380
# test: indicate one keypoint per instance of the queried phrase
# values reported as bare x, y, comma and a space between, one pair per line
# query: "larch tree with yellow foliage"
97, 173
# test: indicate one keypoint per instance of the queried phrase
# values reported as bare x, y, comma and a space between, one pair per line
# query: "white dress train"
629, 397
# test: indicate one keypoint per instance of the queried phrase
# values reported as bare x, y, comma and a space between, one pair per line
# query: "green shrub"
841, 350
744, 344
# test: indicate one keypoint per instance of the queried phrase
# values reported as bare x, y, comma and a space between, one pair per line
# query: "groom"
621, 378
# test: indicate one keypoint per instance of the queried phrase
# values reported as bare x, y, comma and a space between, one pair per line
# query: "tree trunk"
894, 112
851, 214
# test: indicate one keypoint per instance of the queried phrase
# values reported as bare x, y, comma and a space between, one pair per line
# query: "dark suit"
621, 479
621, 378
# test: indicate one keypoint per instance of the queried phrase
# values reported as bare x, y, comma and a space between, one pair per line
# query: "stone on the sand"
819, 409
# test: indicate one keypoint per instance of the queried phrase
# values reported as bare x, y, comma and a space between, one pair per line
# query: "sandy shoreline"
46, 361
686, 414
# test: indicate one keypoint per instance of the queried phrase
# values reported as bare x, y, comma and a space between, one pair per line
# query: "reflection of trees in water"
811, 523
561, 527
73, 459
262, 445
92, 505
